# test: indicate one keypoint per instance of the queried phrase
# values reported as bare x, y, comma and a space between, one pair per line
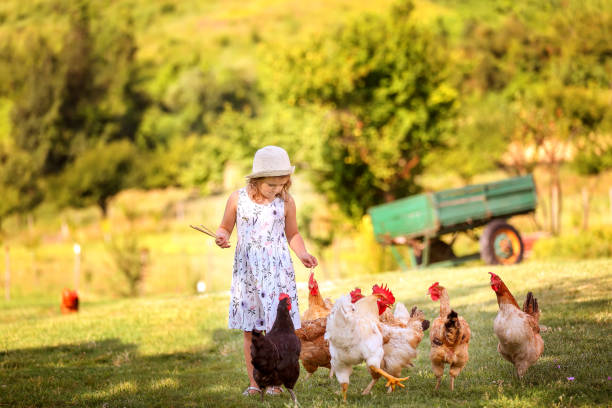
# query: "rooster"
275, 356
449, 336
317, 306
70, 301
354, 334
518, 330
404, 332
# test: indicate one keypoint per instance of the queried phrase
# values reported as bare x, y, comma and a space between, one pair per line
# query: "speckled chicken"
449, 336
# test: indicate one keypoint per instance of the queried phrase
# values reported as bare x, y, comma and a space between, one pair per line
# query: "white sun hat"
271, 161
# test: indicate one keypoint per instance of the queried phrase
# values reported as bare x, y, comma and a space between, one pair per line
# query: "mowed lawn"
177, 351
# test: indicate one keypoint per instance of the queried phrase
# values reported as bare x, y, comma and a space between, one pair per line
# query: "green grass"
176, 351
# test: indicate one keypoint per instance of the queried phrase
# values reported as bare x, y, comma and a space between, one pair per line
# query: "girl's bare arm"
293, 235
227, 223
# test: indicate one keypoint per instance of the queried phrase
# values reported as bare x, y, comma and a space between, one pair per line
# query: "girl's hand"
222, 238
308, 260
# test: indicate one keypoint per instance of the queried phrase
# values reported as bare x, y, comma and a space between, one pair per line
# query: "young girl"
265, 217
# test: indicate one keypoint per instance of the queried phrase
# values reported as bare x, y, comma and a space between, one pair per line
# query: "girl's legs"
247, 357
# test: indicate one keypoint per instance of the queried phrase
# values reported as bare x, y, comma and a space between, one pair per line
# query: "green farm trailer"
419, 222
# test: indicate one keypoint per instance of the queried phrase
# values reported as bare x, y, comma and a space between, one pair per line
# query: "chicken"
70, 301
354, 335
275, 356
518, 330
315, 349
317, 306
404, 332
449, 336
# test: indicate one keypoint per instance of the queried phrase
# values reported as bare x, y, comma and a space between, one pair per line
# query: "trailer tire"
501, 243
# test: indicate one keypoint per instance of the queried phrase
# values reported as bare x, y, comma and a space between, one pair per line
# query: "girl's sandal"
274, 391
251, 391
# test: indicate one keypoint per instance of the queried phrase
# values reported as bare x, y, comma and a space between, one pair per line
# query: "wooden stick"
204, 231
208, 230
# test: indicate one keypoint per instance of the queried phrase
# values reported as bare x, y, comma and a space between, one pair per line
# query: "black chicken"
275, 356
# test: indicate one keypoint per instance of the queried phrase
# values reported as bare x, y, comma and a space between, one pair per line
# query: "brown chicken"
402, 333
317, 306
449, 336
275, 356
315, 349
518, 330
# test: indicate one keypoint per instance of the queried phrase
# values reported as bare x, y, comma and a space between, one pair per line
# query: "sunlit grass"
176, 350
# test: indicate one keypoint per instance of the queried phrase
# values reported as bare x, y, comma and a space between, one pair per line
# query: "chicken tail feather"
425, 324
530, 306
451, 326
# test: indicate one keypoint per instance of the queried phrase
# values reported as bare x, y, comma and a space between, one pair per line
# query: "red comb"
385, 291
312, 284
356, 295
285, 296
493, 276
433, 291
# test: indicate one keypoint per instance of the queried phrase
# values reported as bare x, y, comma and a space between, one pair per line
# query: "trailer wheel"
500, 243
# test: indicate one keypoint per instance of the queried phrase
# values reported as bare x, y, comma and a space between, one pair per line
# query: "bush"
131, 260
596, 243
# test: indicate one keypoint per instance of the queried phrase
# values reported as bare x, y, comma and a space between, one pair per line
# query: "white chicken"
404, 331
354, 335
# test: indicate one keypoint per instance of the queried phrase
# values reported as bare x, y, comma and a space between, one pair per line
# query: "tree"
69, 98
20, 187
382, 85
593, 157
99, 174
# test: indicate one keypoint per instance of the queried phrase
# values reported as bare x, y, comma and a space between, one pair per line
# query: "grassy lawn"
176, 351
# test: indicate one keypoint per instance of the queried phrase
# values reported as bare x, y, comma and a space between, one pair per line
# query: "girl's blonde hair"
253, 188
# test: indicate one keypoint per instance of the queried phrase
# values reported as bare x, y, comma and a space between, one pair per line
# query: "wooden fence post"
77, 265
585, 208
7, 274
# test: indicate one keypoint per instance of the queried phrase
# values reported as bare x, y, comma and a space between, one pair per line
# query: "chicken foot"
391, 380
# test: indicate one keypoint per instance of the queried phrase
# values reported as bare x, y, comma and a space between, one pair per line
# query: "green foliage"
20, 187
130, 259
364, 105
483, 129
595, 243
381, 82
98, 174
594, 155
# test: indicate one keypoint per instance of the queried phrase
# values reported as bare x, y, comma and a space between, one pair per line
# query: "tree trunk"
555, 202
610, 194
103, 204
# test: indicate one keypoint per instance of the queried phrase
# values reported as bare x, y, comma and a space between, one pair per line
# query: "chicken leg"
391, 380
344, 389
295, 403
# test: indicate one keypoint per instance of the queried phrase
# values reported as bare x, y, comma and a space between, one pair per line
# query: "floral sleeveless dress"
262, 266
